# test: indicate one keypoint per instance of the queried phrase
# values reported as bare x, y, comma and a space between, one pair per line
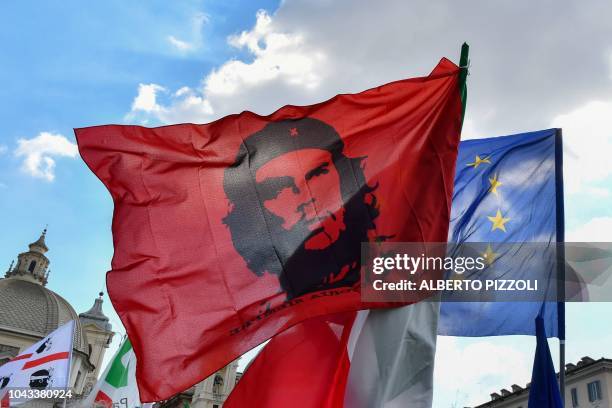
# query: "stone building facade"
588, 384
213, 391
29, 311
210, 393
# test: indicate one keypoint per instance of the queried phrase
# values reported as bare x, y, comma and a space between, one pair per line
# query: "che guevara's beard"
311, 270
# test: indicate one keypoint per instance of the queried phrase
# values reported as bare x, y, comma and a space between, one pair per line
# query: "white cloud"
39, 152
598, 229
179, 44
309, 51
470, 372
469, 130
3, 149
587, 137
278, 57
185, 105
194, 32
247, 357
182, 91
146, 100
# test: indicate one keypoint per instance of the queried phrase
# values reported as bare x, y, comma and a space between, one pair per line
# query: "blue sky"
67, 65
71, 66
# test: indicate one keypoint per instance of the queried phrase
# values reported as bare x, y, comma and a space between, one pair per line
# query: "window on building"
594, 389
574, 397
32, 266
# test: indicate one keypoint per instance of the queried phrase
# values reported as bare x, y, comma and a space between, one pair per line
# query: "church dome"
29, 311
30, 308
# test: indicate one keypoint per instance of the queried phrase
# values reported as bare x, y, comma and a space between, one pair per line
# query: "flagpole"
560, 221
464, 63
69, 363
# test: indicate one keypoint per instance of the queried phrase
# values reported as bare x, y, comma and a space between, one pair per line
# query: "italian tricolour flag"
117, 386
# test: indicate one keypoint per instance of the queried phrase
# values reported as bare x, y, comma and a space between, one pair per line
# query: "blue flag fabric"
507, 189
544, 390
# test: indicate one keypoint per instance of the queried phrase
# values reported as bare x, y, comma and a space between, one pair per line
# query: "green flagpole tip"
463, 60
463, 73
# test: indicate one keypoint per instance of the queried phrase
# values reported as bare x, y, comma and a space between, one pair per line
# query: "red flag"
374, 358
309, 362
228, 233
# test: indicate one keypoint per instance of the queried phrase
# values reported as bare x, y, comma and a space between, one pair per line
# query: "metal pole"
560, 259
69, 362
562, 370
464, 63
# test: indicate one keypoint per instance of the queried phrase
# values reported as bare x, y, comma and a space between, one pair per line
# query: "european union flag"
507, 189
